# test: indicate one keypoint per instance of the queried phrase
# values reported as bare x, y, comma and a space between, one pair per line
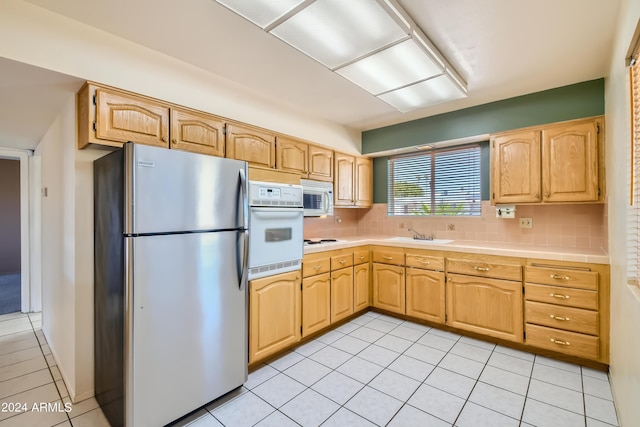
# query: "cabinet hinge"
300, 330
446, 317
300, 286
95, 127
597, 128
94, 100
224, 129
524, 336
598, 191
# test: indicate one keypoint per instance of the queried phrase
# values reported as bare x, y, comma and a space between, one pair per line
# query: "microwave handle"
328, 201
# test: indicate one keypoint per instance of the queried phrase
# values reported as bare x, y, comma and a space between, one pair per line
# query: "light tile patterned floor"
29, 375
374, 370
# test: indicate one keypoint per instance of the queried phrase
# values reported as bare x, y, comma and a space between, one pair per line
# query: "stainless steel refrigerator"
170, 301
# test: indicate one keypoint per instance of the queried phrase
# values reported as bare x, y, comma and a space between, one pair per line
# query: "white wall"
625, 301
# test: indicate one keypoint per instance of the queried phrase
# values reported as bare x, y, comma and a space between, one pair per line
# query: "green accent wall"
575, 101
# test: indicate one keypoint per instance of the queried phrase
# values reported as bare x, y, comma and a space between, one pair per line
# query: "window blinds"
438, 182
633, 217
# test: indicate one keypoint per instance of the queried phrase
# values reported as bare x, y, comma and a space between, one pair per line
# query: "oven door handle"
293, 211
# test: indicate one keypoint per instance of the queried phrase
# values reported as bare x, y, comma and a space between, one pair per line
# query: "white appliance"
171, 231
276, 220
317, 197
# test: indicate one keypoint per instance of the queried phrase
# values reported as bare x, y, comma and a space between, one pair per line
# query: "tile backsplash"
570, 226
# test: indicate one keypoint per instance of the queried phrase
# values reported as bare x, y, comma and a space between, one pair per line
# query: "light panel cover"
430, 92
334, 32
397, 66
261, 13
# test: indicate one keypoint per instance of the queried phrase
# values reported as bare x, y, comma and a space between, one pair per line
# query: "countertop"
595, 256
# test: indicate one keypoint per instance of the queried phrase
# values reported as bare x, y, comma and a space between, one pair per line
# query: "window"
437, 182
633, 216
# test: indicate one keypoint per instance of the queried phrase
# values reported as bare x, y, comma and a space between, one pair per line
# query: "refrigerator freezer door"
189, 327
176, 191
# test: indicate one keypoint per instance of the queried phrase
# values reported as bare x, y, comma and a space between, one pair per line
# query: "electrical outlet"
338, 219
526, 222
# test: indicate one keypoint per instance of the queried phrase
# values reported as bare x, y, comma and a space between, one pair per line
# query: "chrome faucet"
420, 236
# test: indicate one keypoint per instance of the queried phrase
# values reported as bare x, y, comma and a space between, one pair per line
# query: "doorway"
10, 239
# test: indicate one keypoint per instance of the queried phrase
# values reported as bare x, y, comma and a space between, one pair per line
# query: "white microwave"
317, 197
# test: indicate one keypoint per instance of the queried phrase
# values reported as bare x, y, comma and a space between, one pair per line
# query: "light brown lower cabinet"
388, 287
274, 313
361, 287
341, 293
491, 307
425, 294
316, 303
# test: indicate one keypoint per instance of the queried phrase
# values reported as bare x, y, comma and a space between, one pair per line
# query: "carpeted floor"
9, 293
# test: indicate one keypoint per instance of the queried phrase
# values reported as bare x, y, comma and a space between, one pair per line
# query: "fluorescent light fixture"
373, 43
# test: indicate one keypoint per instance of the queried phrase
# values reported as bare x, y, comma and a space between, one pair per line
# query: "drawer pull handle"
562, 319
388, 257
342, 261
425, 262
559, 277
560, 342
317, 267
481, 268
361, 257
559, 296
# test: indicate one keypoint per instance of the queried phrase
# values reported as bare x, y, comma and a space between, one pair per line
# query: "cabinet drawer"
484, 269
425, 261
360, 257
341, 261
570, 343
563, 296
567, 318
311, 267
562, 277
388, 257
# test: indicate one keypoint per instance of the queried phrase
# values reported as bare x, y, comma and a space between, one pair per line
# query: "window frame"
433, 182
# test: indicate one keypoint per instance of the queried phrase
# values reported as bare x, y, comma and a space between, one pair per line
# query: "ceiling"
502, 48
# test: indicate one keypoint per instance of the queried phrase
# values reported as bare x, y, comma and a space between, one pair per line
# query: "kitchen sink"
427, 242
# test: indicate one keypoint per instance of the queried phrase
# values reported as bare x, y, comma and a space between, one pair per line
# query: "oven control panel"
274, 194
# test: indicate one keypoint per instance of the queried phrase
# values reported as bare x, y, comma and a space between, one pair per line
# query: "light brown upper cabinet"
320, 163
570, 162
364, 182
556, 163
250, 144
353, 183
292, 156
110, 117
197, 132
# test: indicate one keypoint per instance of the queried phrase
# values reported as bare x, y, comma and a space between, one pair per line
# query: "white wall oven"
317, 197
276, 224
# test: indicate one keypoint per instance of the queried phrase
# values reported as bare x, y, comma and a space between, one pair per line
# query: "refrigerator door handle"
245, 200
245, 256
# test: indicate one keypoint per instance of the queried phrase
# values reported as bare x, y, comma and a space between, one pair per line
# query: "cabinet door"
570, 163
320, 163
123, 117
364, 182
316, 303
291, 156
274, 314
515, 165
199, 133
341, 293
487, 306
343, 188
360, 287
425, 294
388, 287
251, 145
